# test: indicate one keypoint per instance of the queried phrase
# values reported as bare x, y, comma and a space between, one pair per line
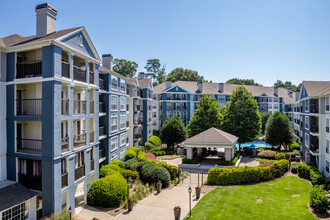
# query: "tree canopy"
278, 130
264, 119
173, 131
180, 74
206, 116
125, 67
158, 72
286, 85
243, 82
241, 116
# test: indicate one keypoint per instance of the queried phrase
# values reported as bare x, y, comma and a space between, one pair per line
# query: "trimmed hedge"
130, 162
189, 161
130, 153
294, 167
231, 162
155, 140
148, 145
110, 169
318, 199
294, 146
311, 173
279, 156
268, 154
152, 173
120, 163
110, 191
159, 153
241, 175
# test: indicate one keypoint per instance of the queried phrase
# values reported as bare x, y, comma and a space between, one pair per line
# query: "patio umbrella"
252, 146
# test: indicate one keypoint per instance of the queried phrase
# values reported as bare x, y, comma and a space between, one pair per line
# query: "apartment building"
52, 126
181, 98
113, 113
310, 119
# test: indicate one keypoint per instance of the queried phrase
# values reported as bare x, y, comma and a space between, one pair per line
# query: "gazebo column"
189, 153
228, 154
199, 151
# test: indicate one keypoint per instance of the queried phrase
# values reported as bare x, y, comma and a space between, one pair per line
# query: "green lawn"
268, 200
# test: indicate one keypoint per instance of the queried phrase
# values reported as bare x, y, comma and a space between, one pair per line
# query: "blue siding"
73, 42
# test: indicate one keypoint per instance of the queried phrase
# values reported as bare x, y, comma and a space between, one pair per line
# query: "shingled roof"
144, 83
13, 195
212, 136
317, 88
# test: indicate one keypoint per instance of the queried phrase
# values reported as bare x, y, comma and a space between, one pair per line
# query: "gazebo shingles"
212, 136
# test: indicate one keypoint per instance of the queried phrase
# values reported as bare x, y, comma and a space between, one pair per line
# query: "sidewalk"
156, 206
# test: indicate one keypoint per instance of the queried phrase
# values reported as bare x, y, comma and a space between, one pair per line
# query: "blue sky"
259, 39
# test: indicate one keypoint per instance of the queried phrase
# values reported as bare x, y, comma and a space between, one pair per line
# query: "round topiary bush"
130, 154
109, 169
151, 173
294, 146
128, 164
118, 163
155, 140
279, 156
110, 191
148, 145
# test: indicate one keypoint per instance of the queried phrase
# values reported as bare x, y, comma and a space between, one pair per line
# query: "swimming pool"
256, 143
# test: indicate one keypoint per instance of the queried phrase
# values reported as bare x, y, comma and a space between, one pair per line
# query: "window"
63, 166
154, 114
122, 139
122, 121
327, 126
79, 159
327, 166
114, 83
114, 123
270, 99
20, 211
327, 146
122, 86
114, 143
275, 99
306, 122
114, 103
275, 106
122, 103
306, 106
29, 167
327, 104
80, 41
306, 140
222, 98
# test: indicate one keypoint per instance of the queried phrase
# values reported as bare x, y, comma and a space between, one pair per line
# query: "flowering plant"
159, 182
131, 200
177, 208
197, 187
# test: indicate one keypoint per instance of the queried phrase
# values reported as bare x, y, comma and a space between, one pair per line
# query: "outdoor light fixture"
189, 190
70, 212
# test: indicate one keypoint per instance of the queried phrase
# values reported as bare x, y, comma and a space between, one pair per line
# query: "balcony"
91, 77
29, 146
137, 136
102, 84
30, 107
65, 69
31, 182
92, 165
314, 109
101, 154
91, 107
92, 137
79, 74
28, 69
314, 129
65, 106
79, 107
101, 107
137, 108
101, 131
314, 148
65, 144
79, 140
65, 181
79, 172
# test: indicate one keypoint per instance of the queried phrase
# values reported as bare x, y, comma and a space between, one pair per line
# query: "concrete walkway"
249, 161
156, 206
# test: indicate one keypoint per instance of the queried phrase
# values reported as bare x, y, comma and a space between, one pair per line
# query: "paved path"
154, 206
249, 161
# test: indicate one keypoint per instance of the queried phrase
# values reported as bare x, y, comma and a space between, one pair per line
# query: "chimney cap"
106, 55
46, 5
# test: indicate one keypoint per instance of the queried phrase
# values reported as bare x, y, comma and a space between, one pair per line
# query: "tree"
173, 131
180, 74
241, 116
242, 82
264, 119
125, 67
286, 85
154, 67
206, 116
279, 131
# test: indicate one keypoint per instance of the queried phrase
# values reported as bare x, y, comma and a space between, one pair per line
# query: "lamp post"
189, 190
127, 189
70, 212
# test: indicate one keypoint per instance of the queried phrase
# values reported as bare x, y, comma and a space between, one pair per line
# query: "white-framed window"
20, 211
114, 103
327, 166
306, 106
80, 41
79, 159
327, 146
64, 166
114, 83
114, 143
276, 106
270, 99
122, 103
275, 99
122, 86
154, 114
306, 140
327, 125
306, 122
122, 121
114, 123
327, 104
122, 139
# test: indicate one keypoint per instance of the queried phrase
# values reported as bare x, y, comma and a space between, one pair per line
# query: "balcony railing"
79, 74
65, 181
91, 77
65, 144
28, 69
30, 146
91, 107
101, 107
32, 107
65, 69
101, 131
92, 137
31, 182
79, 172
314, 148
92, 165
314, 109
65, 106
102, 84
101, 153
79, 140
79, 107
314, 129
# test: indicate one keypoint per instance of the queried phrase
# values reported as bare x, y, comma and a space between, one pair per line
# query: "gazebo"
210, 139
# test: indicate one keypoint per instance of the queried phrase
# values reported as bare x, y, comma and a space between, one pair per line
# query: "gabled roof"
212, 136
131, 81
317, 88
144, 83
104, 70
13, 195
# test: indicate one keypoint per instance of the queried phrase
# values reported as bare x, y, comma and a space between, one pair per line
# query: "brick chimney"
46, 20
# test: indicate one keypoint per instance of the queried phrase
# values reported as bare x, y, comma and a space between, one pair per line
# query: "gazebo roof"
212, 136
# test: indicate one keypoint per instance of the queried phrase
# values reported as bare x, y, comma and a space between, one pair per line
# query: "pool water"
257, 144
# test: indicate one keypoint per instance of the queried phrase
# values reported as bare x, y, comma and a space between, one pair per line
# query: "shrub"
173, 170
188, 161
136, 149
279, 156
129, 174
155, 140
318, 200
268, 154
152, 173
310, 173
110, 191
294, 167
148, 145
153, 150
128, 163
231, 162
130, 154
119, 163
109, 169
267, 164
159, 153
151, 156
303, 171
241, 175
294, 146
